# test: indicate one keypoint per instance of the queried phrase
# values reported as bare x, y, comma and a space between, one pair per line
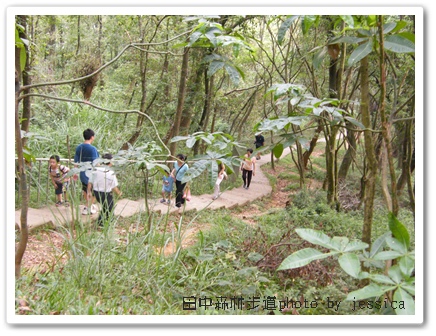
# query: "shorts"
167, 191
62, 187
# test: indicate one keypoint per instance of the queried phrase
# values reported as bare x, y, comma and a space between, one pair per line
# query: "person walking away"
57, 174
221, 176
167, 188
101, 184
179, 171
86, 152
248, 168
260, 141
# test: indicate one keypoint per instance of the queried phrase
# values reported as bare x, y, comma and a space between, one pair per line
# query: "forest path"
259, 188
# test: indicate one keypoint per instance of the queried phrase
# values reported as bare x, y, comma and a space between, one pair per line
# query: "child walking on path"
57, 174
221, 176
101, 183
167, 188
248, 168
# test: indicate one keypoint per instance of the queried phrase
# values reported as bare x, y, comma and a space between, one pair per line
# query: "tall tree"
371, 172
180, 98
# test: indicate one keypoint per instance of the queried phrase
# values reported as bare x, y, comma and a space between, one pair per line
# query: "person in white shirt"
101, 184
221, 176
248, 168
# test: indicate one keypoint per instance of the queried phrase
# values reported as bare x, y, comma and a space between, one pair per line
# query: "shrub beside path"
259, 188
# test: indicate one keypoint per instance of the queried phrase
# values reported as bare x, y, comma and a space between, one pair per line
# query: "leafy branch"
400, 278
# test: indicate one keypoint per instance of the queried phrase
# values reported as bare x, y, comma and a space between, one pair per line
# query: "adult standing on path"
179, 171
248, 168
86, 152
260, 141
100, 185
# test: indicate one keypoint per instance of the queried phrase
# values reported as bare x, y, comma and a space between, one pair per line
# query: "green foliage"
399, 278
21, 44
222, 145
368, 40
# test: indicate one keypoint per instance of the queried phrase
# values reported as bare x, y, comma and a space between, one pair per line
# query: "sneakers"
168, 202
163, 200
93, 210
58, 204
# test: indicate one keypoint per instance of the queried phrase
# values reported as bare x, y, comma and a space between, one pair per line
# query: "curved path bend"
259, 188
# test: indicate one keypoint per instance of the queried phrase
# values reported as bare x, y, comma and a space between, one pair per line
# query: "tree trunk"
330, 136
386, 125
384, 177
26, 114
193, 93
180, 99
22, 178
208, 87
350, 154
406, 161
371, 172
312, 145
78, 35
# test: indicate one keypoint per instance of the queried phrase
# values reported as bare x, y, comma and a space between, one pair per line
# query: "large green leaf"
23, 57
194, 37
278, 150
195, 170
409, 287
409, 36
360, 52
382, 279
214, 66
399, 44
233, 73
350, 264
355, 246
355, 122
399, 231
348, 19
302, 258
378, 245
308, 22
370, 291
213, 172
284, 28
339, 243
403, 303
319, 56
399, 25
317, 238
396, 245
388, 27
387, 255
407, 264
395, 274
179, 138
347, 39
191, 142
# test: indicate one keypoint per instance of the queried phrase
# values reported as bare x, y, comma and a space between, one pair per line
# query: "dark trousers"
246, 177
179, 193
107, 205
